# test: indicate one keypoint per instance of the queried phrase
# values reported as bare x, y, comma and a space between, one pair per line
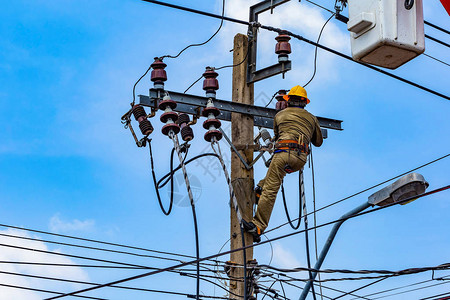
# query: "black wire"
244, 254
135, 84
166, 212
249, 246
315, 52
291, 223
360, 288
437, 41
278, 30
437, 27
367, 189
45, 291
193, 84
314, 213
113, 286
308, 256
94, 241
205, 42
271, 99
438, 60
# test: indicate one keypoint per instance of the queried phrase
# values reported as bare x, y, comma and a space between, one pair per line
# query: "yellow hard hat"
297, 91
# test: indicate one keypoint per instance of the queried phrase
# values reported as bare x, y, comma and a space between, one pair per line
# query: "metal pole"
327, 245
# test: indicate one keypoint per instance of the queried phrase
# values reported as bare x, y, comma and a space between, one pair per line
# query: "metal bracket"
254, 75
263, 116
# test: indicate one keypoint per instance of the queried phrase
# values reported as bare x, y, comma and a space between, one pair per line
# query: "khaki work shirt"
295, 123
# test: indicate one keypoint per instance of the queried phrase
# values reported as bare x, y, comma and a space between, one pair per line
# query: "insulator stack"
158, 75
169, 116
141, 116
281, 103
283, 47
187, 134
212, 124
210, 84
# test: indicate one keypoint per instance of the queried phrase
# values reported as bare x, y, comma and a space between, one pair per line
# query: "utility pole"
241, 178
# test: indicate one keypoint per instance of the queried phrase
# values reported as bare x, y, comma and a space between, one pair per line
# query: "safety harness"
287, 146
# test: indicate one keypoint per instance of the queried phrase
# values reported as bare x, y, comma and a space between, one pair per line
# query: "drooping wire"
437, 27
301, 38
444, 188
218, 152
299, 219
191, 198
314, 212
315, 51
217, 69
45, 291
205, 42
305, 222
367, 189
158, 196
436, 59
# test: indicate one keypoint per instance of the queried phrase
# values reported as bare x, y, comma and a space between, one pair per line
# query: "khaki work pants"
271, 184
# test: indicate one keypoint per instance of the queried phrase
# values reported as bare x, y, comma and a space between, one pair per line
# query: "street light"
408, 186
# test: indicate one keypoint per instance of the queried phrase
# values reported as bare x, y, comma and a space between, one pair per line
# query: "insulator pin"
209, 135
187, 134
283, 47
146, 127
169, 115
158, 75
210, 84
170, 127
281, 103
214, 123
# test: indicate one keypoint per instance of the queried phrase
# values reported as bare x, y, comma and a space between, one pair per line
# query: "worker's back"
293, 121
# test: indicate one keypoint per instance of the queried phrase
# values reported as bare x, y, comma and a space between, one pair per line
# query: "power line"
113, 286
301, 38
437, 41
45, 291
249, 246
437, 27
369, 188
442, 62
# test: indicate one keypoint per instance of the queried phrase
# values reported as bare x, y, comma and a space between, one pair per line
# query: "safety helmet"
297, 91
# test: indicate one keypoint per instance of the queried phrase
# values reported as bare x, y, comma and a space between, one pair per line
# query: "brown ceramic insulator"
211, 122
280, 95
281, 105
183, 119
139, 113
168, 127
210, 110
210, 83
169, 115
187, 134
209, 135
283, 46
169, 102
158, 72
146, 127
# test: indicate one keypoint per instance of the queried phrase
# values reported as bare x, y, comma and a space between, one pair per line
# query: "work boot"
258, 192
253, 230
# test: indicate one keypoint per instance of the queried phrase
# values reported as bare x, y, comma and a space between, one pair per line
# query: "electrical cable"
437, 27
438, 60
218, 152
246, 247
205, 42
439, 295
311, 160
191, 198
102, 242
315, 51
437, 40
412, 290
45, 291
301, 38
360, 288
271, 99
113, 286
299, 219
369, 188
305, 222
401, 287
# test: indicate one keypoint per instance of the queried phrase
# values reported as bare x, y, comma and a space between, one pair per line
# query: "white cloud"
15, 255
284, 258
58, 225
302, 19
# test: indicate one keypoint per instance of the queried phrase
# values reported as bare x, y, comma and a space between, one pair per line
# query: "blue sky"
67, 165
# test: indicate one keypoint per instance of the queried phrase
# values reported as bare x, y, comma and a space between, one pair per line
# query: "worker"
294, 129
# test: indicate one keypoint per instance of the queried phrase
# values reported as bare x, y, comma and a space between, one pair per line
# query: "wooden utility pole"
241, 178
